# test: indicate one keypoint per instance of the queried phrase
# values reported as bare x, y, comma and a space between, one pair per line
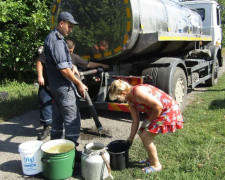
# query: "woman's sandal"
146, 162
150, 169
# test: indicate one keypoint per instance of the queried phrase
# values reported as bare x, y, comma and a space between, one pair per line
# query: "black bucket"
119, 154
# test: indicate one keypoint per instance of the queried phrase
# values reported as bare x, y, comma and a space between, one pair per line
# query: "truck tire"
179, 87
215, 71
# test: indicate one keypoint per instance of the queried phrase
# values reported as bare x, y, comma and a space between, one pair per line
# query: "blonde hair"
117, 88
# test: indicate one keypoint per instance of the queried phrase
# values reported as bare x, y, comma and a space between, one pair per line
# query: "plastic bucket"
119, 154
30, 153
58, 159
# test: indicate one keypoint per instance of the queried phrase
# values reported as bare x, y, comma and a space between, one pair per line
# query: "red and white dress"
169, 120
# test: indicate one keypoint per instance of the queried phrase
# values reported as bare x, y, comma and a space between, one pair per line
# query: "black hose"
93, 71
88, 99
85, 73
93, 112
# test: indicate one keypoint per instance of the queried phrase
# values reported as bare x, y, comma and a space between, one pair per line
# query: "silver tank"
130, 27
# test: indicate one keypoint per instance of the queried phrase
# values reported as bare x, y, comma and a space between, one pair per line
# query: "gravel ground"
26, 127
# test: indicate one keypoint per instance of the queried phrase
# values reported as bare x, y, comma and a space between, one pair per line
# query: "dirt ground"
26, 128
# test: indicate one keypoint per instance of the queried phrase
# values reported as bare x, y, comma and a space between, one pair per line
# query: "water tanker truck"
173, 46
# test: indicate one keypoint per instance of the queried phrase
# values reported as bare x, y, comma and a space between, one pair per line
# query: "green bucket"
58, 159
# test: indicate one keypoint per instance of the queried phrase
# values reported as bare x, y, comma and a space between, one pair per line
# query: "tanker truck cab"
147, 43
210, 12
211, 20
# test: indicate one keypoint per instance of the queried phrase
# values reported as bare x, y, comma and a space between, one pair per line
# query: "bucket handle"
45, 160
107, 164
93, 152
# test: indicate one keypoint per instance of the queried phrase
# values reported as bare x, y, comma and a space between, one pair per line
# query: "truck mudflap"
123, 107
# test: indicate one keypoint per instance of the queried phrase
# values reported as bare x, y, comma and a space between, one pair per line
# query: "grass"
197, 152
22, 97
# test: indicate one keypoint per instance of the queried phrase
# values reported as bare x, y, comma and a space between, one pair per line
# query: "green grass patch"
22, 97
196, 152
223, 50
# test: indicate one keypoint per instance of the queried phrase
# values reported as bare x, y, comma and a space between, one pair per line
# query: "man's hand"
82, 88
68, 73
75, 70
41, 81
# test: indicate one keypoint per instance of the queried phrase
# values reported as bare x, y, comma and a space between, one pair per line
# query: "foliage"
222, 2
24, 25
22, 97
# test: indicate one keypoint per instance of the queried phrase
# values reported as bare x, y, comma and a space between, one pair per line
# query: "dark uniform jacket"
57, 57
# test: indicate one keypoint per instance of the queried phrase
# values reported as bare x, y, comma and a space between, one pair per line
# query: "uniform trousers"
45, 105
66, 114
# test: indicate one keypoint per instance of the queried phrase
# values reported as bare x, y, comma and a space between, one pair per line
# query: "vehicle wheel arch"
217, 62
216, 52
166, 68
168, 72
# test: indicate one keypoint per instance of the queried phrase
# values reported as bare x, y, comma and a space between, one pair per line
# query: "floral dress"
169, 120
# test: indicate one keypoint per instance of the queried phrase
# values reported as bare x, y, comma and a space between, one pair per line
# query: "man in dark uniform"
44, 96
62, 80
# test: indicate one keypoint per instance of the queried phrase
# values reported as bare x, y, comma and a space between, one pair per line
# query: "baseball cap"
63, 16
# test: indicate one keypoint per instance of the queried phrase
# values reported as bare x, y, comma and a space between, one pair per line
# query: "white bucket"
30, 153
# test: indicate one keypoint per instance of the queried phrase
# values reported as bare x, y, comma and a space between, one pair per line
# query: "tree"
24, 25
222, 2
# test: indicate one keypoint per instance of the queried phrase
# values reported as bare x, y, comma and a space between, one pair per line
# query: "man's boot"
77, 156
46, 132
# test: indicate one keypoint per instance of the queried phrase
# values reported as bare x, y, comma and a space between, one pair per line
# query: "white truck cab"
211, 20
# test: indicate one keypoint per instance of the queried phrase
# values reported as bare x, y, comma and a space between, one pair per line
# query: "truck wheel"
179, 87
215, 71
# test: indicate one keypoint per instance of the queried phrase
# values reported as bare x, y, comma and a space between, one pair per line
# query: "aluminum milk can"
95, 163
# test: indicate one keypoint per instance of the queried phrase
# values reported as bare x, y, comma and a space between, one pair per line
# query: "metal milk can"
95, 162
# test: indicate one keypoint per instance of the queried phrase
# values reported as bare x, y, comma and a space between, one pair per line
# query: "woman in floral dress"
163, 116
